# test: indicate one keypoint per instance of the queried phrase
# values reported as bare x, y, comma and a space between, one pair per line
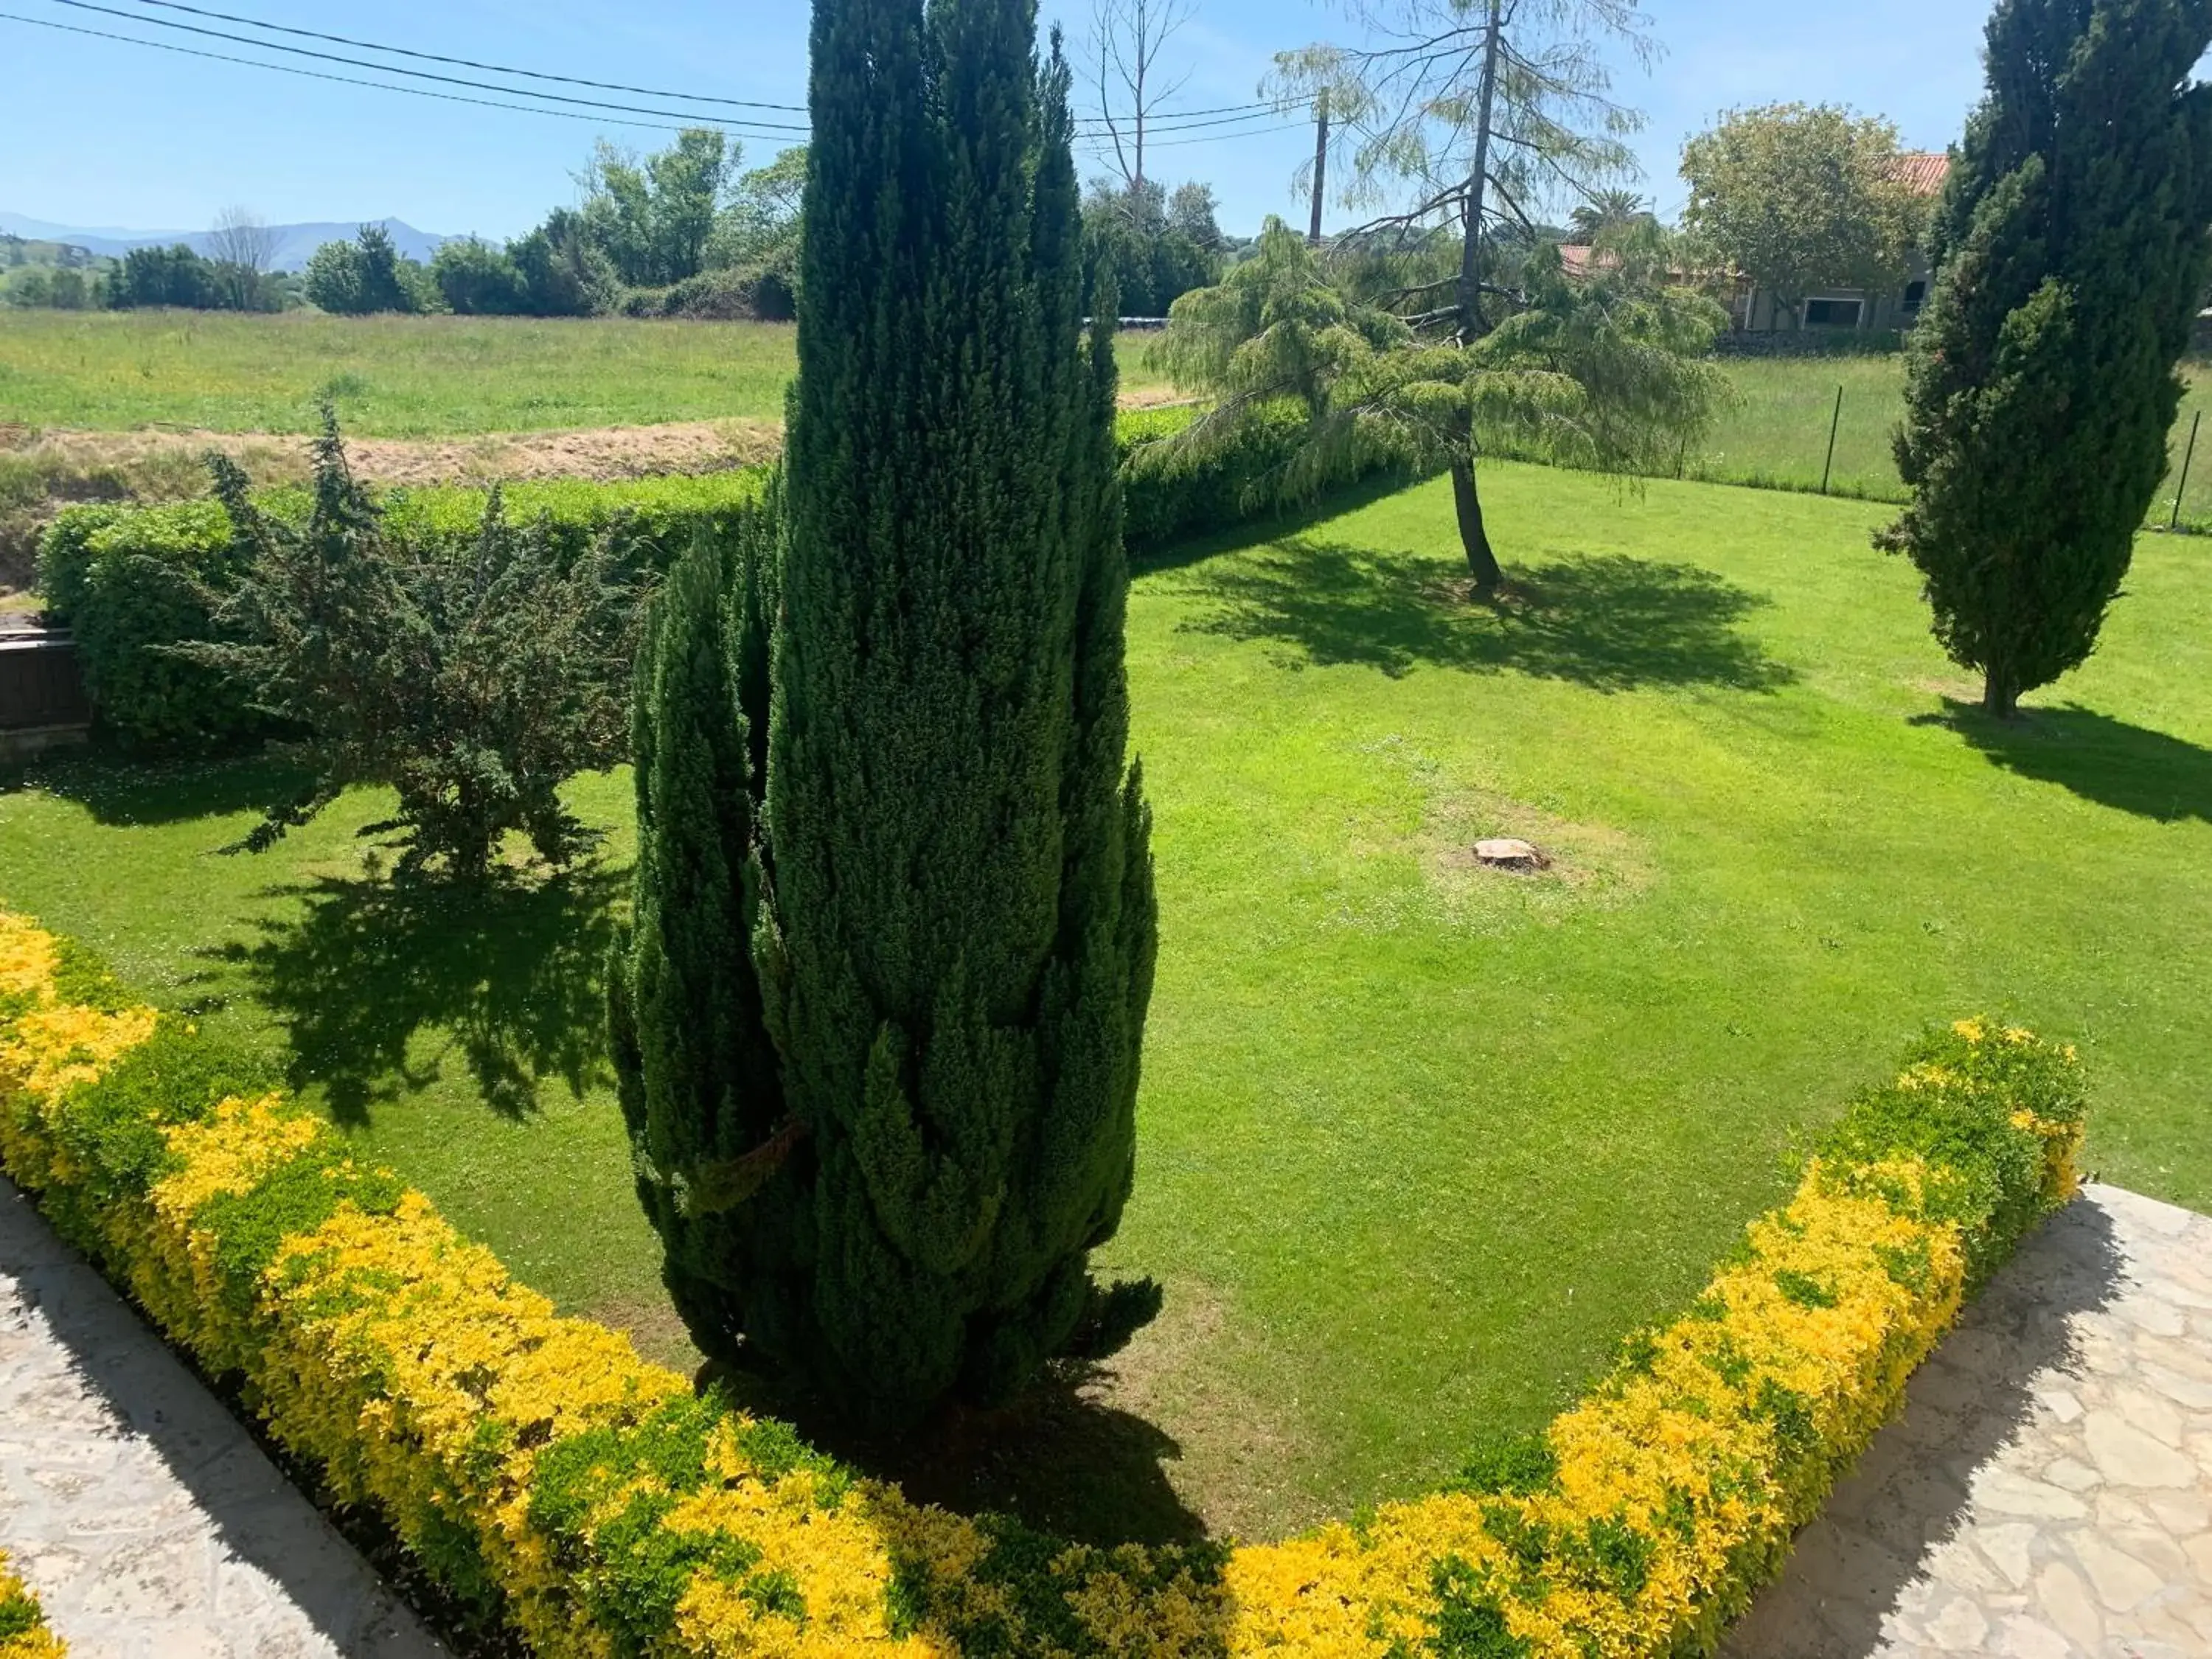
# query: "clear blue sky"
99, 133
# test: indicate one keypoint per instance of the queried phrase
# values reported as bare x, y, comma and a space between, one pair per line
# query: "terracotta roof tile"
1924, 170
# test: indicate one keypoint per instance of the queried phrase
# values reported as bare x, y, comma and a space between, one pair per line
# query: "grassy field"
391, 377
1420, 1141
431, 377
1777, 432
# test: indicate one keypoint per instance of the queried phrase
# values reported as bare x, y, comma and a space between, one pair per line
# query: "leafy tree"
33, 290
1193, 213
163, 276
1604, 369
1798, 196
1147, 247
561, 273
1480, 108
366, 275
652, 218
878, 1024
2070, 251
472, 683
476, 279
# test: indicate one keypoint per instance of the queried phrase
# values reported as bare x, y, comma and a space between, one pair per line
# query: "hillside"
295, 243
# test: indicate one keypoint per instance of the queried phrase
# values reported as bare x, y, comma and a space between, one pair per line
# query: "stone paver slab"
149, 1522
2076, 1405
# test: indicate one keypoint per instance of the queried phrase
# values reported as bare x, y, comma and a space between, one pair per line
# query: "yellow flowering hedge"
23, 1631
543, 1471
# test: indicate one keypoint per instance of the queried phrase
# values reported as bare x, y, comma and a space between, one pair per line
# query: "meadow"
454, 377
391, 376
1420, 1142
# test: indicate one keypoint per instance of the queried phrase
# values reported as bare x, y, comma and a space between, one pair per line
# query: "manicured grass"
1419, 1142
392, 377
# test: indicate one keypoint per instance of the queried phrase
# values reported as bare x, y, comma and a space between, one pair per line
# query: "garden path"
148, 1522
2047, 1494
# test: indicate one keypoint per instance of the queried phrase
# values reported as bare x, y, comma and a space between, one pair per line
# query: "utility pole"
1320, 164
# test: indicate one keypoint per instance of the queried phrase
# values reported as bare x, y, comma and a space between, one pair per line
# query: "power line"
347, 80
394, 69
1169, 121
467, 63
779, 132
578, 80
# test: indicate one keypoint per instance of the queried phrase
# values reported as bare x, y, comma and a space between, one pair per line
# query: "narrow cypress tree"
879, 1021
2071, 252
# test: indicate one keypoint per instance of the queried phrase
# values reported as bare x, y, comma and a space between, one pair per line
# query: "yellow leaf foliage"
423, 1378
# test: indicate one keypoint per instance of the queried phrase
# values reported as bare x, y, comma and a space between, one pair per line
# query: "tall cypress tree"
880, 1019
2071, 253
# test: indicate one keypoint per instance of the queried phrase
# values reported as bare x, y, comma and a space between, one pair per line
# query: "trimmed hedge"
539, 1468
24, 1632
106, 572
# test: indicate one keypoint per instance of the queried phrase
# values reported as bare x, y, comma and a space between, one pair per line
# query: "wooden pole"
2187, 456
1321, 165
1835, 421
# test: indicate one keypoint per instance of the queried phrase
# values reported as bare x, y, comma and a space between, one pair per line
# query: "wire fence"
1826, 426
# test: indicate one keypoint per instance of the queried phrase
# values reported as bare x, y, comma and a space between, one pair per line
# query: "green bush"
1230, 484
111, 572
126, 580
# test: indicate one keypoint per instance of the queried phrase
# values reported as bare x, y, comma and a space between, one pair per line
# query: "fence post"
2187, 456
1834, 422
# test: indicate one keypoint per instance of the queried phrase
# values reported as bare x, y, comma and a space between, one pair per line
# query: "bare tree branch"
1128, 38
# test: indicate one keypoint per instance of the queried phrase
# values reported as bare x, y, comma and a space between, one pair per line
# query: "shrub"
476, 279
878, 1026
129, 580
535, 1464
24, 1633
473, 682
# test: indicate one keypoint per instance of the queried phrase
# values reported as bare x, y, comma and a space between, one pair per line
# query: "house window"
1915, 292
1831, 313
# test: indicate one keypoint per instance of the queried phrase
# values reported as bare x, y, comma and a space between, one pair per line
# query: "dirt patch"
42, 472
1153, 397
653, 1324
1589, 863
1235, 1456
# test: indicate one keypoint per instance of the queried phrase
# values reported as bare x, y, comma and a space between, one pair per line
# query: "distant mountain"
295, 244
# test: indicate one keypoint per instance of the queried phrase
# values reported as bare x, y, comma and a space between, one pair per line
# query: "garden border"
24, 1631
539, 1468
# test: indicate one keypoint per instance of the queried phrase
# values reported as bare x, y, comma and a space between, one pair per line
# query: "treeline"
684, 232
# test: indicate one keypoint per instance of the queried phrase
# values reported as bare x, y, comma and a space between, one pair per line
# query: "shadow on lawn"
123, 792
376, 983
2099, 758
1603, 621
1059, 1459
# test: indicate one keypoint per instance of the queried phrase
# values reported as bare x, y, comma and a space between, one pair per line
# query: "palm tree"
1607, 210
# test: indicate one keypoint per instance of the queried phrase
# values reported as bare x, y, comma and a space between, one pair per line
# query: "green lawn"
1420, 1142
391, 377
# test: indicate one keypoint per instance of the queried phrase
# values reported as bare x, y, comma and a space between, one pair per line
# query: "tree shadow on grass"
2099, 758
378, 984
1604, 620
122, 792
1059, 1459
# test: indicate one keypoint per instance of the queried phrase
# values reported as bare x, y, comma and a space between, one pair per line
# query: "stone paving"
2047, 1494
147, 1520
